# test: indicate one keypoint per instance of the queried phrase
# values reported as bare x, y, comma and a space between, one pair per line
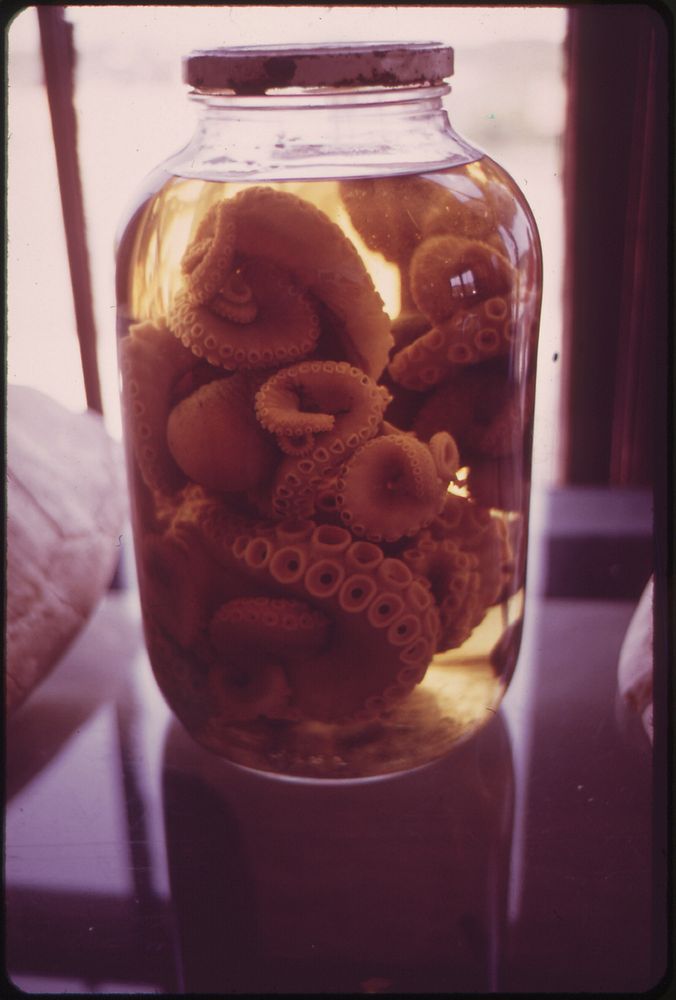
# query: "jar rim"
256, 69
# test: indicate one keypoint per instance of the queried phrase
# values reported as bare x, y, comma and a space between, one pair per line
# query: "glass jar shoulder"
305, 138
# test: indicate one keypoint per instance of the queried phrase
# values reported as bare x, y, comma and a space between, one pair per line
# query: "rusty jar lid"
256, 69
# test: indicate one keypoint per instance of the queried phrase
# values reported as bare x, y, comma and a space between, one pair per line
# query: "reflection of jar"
299, 887
327, 314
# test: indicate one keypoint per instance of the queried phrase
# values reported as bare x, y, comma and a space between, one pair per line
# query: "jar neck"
312, 133
323, 98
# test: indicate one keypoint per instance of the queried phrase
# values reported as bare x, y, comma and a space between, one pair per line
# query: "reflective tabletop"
526, 860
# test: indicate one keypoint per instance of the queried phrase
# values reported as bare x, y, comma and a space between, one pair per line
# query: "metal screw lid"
256, 69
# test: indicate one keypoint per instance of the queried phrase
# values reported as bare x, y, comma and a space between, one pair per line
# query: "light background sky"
181, 27
132, 113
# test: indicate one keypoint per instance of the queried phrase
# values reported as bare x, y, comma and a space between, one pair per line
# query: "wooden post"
58, 59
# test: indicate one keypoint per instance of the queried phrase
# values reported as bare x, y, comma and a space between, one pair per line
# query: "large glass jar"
328, 306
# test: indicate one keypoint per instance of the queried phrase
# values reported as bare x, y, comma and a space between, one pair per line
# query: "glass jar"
328, 306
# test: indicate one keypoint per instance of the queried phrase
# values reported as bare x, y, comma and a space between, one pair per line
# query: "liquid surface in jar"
327, 390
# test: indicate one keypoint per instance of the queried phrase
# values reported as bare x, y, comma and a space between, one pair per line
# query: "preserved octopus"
308, 459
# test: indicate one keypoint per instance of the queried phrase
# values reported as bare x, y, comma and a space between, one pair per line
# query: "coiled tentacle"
151, 363
254, 639
455, 581
467, 557
282, 328
477, 532
470, 335
331, 401
391, 487
383, 620
209, 257
188, 570
301, 239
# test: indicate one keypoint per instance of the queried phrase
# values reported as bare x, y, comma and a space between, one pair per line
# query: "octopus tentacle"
234, 300
176, 586
218, 523
455, 582
284, 328
394, 215
388, 212
480, 534
407, 328
390, 488
300, 238
448, 271
350, 404
195, 254
278, 626
296, 444
377, 633
330, 539
215, 439
481, 409
469, 336
465, 211
246, 688
326, 498
445, 454
182, 676
364, 556
184, 575
151, 363
209, 256
329, 399
296, 485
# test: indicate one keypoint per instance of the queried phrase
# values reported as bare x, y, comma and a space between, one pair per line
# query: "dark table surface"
531, 859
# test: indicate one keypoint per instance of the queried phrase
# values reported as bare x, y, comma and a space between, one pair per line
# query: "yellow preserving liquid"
327, 389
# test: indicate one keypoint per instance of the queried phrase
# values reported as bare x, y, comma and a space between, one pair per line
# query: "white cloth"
66, 505
635, 667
